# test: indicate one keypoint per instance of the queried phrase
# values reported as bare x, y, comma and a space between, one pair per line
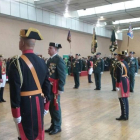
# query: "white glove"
101, 72
136, 73
45, 112
118, 89
79, 72
17, 120
59, 92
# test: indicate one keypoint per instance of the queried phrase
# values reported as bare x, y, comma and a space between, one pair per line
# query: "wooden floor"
86, 114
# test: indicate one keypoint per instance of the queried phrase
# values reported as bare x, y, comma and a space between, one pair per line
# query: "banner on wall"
65, 58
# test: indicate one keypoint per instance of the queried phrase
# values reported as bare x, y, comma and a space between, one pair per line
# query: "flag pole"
128, 44
70, 48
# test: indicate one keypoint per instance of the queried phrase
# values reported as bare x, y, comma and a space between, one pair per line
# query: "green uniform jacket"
77, 66
98, 66
133, 65
57, 68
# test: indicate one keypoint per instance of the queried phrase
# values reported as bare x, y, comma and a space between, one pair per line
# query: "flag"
94, 43
130, 32
69, 37
113, 40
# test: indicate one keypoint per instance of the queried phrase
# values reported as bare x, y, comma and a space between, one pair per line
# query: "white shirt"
53, 55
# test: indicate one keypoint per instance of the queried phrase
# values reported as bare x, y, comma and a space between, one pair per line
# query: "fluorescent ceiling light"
126, 21
66, 15
110, 8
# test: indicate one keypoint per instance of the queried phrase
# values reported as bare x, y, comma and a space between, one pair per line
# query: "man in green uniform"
77, 68
98, 68
112, 67
57, 78
133, 69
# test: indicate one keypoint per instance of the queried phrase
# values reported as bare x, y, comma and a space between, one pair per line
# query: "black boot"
1, 92
49, 129
19, 138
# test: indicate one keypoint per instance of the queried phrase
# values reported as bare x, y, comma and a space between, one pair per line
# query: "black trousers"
97, 77
1, 93
76, 79
89, 78
124, 104
113, 82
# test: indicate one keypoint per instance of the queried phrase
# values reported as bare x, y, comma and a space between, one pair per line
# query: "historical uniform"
29, 87
98, 68
76, 69
90, 69
133, 69
112, 68
3, 81
122, 85
57, 78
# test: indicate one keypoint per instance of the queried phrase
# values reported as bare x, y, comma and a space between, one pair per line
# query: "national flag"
69, 37
130, 32
113, 40
94, 43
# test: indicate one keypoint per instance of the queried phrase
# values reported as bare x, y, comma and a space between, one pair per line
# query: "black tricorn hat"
132, 52
31, 33
115, 54
98, 53
58, 46
123, 53
78, 54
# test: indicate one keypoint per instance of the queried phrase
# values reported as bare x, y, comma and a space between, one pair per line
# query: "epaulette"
15, 60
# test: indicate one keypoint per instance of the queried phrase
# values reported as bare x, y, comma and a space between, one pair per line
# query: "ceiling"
61, 6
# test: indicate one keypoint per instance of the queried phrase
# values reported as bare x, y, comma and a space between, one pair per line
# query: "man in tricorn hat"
122, 85
57, 78
29, 87
76, 70
98, 68
133, 69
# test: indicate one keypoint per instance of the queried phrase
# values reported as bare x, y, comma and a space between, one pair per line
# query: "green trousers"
113, 82
76, 79
132, 81
56, 119
97, 77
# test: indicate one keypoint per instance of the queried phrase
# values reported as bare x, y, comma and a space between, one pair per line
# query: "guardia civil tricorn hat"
98, 53
31, 33
78, 54
132, 52
58, 46
123, 53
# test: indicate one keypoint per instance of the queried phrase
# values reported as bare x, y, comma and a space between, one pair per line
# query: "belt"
30, 93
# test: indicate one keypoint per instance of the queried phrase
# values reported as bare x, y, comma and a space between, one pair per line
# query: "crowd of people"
36, 83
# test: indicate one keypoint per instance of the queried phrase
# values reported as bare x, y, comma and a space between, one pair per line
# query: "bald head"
26, 44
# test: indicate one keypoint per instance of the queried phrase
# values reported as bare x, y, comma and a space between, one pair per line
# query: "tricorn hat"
58, 46
31, 33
